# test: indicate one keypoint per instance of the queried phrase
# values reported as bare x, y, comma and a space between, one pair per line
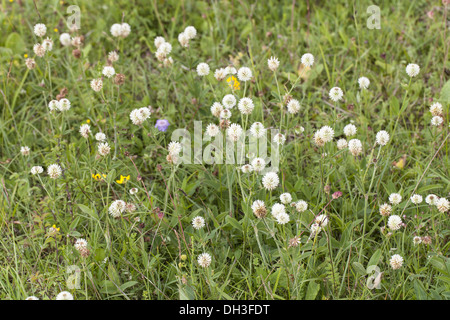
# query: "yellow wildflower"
123, 179
233, 83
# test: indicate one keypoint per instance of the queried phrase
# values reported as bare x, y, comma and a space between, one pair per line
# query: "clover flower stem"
328, 235
366, 200
13, 104
212, 89
230, 196
49, 71
401, 109
281, 100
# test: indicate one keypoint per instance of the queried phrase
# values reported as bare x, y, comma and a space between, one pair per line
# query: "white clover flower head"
355, 147
326, 133
168, 61
396, 261
97, 84
299, 130
103, 149
436, 109
229, 101
246, 168
395, 198
64, 295
225, 114
394, 222
64, 105
363, 83
314, 229
273, 63
80, 244
416, 198
385, 210
293, 106
25, 150
216, 109
108, 71
40, 29
159, 41
244, 74
220, 74
278, 209
183, 39
307, 59
285, 198
431, 199
138, 116
246, 105
54, 171
350, 130
198, 222
204, 260
30, 63
279, 139
412, 69
203, 69
65, 39
85, 130
212, 130
190, 32
163, 51
443, 205
32, 298
417, 240
36, 170
270, 181
230, 70
234, 131
301, 206
113, 56
382, 138
116, 30
120, 30
77, 41
336, 94
282, 218
117, 208
100, 136
48, 44
318, 139
437, 121
258, 164
321, 220
342, 144
39, 50
174, 148
257, 130
133, 191
126, 29
259, 209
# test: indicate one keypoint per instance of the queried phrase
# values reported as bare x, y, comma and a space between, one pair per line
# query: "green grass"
156, 257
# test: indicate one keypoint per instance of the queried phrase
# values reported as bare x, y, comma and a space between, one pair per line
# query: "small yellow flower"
98, 176
233, 83
56, 29
123, 179
55, 228
88, 121
25, 55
